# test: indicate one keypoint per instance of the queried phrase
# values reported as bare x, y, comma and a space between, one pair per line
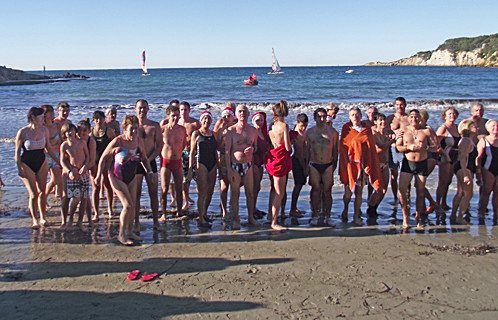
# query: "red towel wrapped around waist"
357, 152
278, 161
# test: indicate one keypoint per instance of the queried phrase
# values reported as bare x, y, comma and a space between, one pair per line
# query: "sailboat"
144, 67
275, 67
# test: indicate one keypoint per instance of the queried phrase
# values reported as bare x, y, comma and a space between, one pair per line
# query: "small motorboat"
251, 81
350, 71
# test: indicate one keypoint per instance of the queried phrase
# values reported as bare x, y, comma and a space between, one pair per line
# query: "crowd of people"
112, 158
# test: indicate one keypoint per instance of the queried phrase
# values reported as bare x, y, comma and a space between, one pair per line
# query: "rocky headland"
479, 51
10, 76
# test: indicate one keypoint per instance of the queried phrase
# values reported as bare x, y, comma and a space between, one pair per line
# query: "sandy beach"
254, 273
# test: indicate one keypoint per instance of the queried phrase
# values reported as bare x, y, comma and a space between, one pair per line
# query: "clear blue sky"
104, 34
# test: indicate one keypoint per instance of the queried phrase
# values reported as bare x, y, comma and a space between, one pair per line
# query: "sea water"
305, 88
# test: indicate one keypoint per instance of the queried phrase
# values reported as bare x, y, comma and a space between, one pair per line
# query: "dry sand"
304, 273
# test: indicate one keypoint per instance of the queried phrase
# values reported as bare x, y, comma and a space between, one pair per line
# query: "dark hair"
98, 115
401, 99
379, 115
315, 113
84, 123
186, 104
129, 119
174, 101
62, 104
414, 110
281, 109
171, 109
302, 118
47, 108
66, 127
143, 101
34, 112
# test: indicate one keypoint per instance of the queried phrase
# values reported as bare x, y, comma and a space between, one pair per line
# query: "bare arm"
19, 142
158, 143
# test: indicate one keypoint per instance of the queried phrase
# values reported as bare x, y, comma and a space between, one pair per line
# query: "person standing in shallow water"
150, 134
31, 144
487, 170
124, 154
278, 160
190, 125
358, 162
174, 140
300, 160
220, 129
204, 148
259, 122
322, 142
240, 142
415, 144
448, 137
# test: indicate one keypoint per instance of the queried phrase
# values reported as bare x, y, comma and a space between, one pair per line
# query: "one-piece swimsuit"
125, 163
33, 154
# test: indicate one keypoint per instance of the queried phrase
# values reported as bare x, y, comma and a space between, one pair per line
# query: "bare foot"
124, 241
406, 225
186, 206
172, 204
462, 221
44, 223
162, 219
296, 213
81, 227
236, 225
134, 236
136, 227
253, 222
157, 226
358, 222
420, 226
92, 224
110, 214
445, 207
278, 227
344, 216
62, 227
95, 218
35, 226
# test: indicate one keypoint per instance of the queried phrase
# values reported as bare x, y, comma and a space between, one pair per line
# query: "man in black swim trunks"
240, 142
414, 144
150, 133
322, 144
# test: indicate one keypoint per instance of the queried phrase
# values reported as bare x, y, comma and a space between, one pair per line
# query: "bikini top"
30, 144
55, 137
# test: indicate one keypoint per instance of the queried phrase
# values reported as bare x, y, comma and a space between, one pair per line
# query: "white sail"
275, 66
144, 66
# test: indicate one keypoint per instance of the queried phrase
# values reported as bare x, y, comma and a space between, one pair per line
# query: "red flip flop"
133, 275
149, 276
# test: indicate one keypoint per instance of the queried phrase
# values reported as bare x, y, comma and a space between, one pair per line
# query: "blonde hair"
424, 114
464, 127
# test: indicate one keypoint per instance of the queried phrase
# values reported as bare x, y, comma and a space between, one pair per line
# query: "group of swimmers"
397, 148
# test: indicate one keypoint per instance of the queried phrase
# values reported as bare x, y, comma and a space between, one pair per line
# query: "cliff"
480, 51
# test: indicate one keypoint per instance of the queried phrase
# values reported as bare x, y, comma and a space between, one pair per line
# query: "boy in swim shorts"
74, 161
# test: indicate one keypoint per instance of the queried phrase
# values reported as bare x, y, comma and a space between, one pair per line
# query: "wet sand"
254, 273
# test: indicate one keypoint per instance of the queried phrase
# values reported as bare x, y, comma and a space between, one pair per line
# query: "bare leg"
346, 199
404, 194
152, 186
250, 200
234, 199
136, 224
279, 183
165, 180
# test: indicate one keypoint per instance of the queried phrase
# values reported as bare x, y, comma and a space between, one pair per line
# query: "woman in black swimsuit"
102, 135
203, 147
448, 137
31, 144
487, 171
464, 169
